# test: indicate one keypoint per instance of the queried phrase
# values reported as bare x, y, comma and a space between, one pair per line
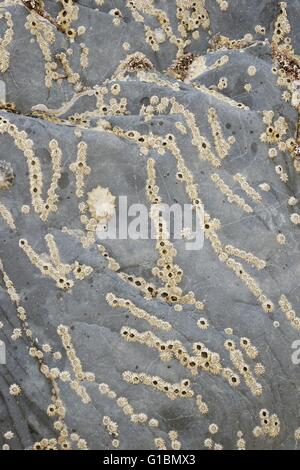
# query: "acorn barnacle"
101, 204
6, 175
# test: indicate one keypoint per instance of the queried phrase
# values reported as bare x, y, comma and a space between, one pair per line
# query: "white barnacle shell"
101, 204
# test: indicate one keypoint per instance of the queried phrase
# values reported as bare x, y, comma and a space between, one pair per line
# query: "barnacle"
101, 204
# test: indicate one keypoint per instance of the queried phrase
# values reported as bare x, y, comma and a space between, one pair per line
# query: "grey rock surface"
118, 163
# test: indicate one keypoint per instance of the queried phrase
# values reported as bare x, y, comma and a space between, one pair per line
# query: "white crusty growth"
101, 204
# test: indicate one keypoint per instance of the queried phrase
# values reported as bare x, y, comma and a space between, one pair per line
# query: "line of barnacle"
118, 302
250, 258
53, 267
57, 407
203, 358
274, 134
80, 375
283, 51
175, 443
52, 197
25, 145
169, 273
7, 216
240, 442
5, 41
223, 42
112, 429
221, 144
237, 359
84, 55
232, 198
67, 16
287, 308
173, 391
251, 192
44, 34
210, 225
153, 77
80, 168
219, 96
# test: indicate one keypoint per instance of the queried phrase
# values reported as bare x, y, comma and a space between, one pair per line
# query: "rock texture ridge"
143, 344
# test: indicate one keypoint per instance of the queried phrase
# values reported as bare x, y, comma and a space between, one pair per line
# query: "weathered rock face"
144, 344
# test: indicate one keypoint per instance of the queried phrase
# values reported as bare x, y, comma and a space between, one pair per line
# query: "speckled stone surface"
117, 163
